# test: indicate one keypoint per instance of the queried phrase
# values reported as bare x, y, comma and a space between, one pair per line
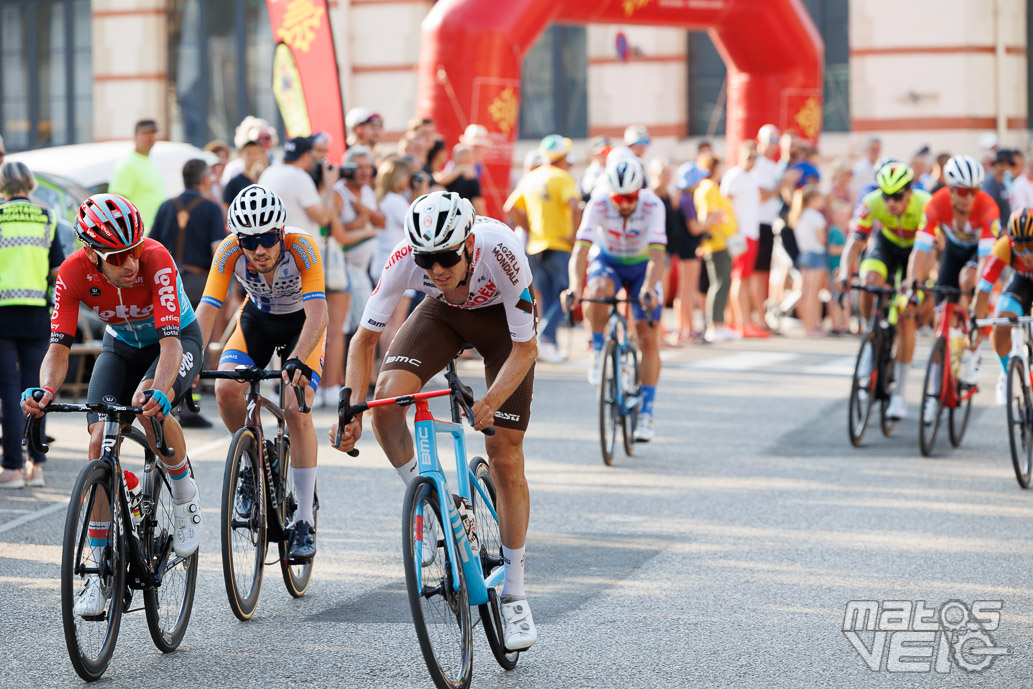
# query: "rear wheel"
862, 390
243, 524
932, 397
91, 640
489, 543
1020, 422
609, 412
439, 603
296, 576
632, 390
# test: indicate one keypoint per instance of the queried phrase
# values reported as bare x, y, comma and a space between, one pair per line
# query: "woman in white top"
809, 225
393, 182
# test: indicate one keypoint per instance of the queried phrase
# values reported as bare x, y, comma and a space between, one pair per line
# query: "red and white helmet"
437, 221
109, 222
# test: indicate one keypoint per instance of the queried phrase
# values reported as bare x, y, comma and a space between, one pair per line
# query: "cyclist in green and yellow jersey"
898, 212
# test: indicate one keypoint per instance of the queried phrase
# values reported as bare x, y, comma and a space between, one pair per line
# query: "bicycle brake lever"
300, 394
32, 435
159, 432
344, 417
490, 430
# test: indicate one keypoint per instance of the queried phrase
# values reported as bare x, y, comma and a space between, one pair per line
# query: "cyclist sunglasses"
251, 242
964, 192
117, 258
446, 259
1025, 248
624, 199
899, 196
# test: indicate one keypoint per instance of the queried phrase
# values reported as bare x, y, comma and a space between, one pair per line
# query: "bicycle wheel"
862, 390
932, 392
295, 576
1020, 420
91, 641
440, 606
886, 376
957, 419
630, 385
609, 412
243, 524
490, 551
169, 604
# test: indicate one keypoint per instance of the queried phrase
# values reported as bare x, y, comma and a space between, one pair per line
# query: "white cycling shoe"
897, 408
594, 371
92, 600
644, 429
187, 517
1002, 389
929, 413
518, 630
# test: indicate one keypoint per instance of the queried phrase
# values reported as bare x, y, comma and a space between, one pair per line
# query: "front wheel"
932, 397
439, 602
243, 523
296, 576
1020, 422
168, 605
489, 540
89, 560
958, 417
609, 409
862, 390
632, 390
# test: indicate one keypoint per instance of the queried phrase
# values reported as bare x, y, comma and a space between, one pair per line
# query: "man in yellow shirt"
137, 178
547, 204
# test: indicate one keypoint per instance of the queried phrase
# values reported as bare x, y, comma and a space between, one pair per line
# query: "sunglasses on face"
446, 259
117, 258
964, 192
251, 242
1025, 248
899, 196
624, 199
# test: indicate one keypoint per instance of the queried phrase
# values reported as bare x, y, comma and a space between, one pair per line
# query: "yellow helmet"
894, 177
1021, 226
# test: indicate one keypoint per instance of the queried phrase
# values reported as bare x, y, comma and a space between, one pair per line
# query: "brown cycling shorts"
435, 332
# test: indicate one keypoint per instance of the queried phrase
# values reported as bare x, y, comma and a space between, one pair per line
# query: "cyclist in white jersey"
478, 283
628, 225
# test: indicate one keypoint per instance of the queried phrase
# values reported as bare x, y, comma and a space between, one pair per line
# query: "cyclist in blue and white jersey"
627, 223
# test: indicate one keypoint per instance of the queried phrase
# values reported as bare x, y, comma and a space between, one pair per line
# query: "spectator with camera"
307, 209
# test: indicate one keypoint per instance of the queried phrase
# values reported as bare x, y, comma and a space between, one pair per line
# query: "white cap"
476, 135
636, 134
988, 141
360, 115
768, 133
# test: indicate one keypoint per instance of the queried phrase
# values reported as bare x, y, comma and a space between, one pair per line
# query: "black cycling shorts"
952, 260
887, 259
258, 334
1019, 289
120, 368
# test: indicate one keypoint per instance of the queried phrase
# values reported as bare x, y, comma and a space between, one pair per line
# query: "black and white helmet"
625, 175
963, 171
256, 210
437, 221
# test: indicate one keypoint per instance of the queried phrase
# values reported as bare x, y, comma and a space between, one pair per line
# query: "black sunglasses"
446, 259
251, 242
899, 196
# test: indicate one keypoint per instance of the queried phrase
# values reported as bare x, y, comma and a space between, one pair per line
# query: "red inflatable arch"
471, 54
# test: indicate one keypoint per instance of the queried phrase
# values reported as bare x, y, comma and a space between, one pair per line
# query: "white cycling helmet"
256, 210
437, 221
963, 171
625, 176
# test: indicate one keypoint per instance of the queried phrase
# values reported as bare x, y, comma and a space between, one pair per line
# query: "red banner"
305, 79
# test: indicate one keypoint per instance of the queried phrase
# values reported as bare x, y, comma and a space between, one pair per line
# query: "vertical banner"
305, 79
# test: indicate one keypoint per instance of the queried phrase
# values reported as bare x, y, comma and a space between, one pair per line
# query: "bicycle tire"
245, 535
489, 540
609, 414
94, 479
887, 378
862, 396
296, 577
449, 660
169, 604
1019, 422
927, 431
629, 371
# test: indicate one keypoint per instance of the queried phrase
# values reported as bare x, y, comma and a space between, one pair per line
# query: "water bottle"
469, 525
957, 344
135, 492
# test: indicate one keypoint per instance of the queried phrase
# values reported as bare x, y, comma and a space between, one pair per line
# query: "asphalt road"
722, 554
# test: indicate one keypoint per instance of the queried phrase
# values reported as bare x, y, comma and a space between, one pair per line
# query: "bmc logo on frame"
901, 636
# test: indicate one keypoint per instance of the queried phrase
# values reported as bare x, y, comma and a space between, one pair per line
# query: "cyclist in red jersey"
150, 354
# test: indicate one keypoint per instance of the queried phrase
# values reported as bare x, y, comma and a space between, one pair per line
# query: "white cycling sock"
304, 491
513, 583
901, 372
184, 488
409, 471
935, 375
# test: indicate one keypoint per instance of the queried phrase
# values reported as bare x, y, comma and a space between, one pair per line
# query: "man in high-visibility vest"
30, 253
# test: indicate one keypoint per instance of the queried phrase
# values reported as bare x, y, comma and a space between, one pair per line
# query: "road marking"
207, 446
840, 366
38, 514
743, 361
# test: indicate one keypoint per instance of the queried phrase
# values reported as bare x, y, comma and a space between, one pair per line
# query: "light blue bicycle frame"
426, 432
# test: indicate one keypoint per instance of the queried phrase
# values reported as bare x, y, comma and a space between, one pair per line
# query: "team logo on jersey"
94, 291
525, 303
166, 289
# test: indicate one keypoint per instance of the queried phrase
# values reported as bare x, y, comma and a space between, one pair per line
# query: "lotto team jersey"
499, 274
981, 228
624, 241
155, 306
901, 229
298, 276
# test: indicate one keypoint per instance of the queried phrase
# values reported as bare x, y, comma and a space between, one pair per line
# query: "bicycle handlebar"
253, 374
613, 301
32, 435
1004, 320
